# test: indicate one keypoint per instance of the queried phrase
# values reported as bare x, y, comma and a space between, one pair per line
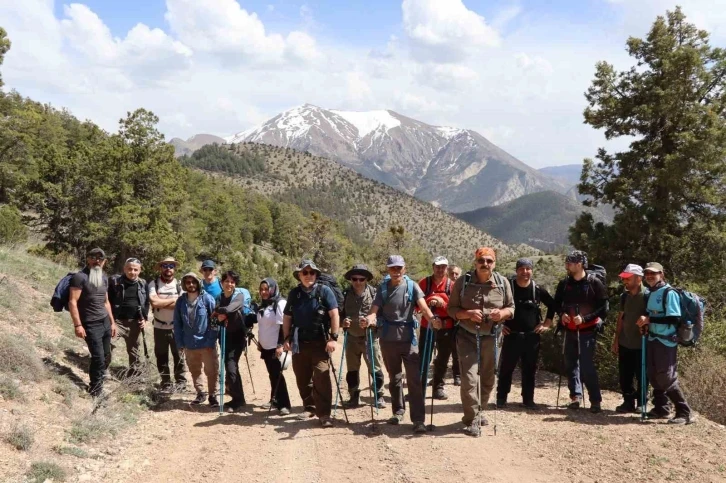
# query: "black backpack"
329, 281
61, 294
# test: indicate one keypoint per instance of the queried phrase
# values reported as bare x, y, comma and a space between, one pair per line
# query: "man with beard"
163, 293
582, 302
129, 299
92, 316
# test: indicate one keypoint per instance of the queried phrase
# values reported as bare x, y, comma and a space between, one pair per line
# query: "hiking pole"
495, 328
374, 387
273, 402
562, 369
424, 372
477, 420
340, 372
643, 382
223, 343
143, 333
249, 369
579, 360
337, 384
431, 426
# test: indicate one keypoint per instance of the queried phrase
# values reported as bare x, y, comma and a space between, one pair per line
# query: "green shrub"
72, 451
12, 229
45, 470
20, 437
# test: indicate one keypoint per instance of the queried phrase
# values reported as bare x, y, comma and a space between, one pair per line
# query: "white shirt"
269, 323
163, 318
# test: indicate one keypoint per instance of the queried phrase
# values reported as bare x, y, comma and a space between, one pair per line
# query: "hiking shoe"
305, 415
326, 422
180, 387
657, 414
472, 430
440, 395
483, 421
419, 428
595, 408
574, 404
354, 400
283, 412
201, 397
681, 420
626, 407
395, 420
501, 403
457, 381
213, 402
267, 405
530, 405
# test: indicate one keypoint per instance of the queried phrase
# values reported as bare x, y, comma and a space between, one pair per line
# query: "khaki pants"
312, 373
466, 345
129, 330
357, 347
398, 355
207, 359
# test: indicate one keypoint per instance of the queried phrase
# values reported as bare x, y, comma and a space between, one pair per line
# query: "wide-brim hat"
360, 269
192, 275
302, 266
167, 260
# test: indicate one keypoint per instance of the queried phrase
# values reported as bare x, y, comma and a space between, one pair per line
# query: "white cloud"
449, 77
445, 30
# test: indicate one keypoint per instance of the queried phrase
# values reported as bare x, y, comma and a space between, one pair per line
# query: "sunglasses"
357, 279
190, 282
483, 261
207, 269
168, 266
307, 273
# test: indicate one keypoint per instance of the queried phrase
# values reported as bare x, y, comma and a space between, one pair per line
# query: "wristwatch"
334, 336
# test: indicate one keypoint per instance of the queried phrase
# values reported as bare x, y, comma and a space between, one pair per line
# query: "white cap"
441, 261
632, 269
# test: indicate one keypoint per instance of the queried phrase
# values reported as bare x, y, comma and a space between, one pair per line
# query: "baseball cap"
208, 264
95, 252
653, 267
632, 269
441, 261
395, 261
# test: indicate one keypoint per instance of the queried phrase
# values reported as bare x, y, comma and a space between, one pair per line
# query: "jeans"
163, 342
98, 339
518, 347
580, 365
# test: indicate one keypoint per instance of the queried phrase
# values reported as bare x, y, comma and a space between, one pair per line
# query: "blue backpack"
62, 292
691, 322
413, 324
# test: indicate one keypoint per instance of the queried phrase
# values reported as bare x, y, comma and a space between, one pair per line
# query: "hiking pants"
163, 342
234, 347
354, 349
396, 357
206, 359
580, 366
662, 364
629, 369
516, 347
466, 343
274, 370
98, 339
129, 331
312, 372
445, 348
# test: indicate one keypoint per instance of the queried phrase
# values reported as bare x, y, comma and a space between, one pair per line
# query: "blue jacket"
200, 335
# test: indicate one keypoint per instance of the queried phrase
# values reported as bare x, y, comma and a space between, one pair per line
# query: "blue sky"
514, 71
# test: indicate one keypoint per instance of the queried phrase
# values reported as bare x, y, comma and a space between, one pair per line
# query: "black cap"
95, 252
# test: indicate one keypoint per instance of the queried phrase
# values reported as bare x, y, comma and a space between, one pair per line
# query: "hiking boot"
381, 402
472, 430
213, 402
595, 408
180, 387
354, 400
201, 397
267, 405
283, 412
681, 420
440, 395
457, 381
530, 405
658, 414
326, 422
574, 404
395, 420
626, 407
305, 415
419, 428
501, 403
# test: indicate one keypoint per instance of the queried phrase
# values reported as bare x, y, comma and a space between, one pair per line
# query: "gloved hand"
600, 327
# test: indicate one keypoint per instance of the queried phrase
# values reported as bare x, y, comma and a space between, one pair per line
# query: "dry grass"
21, 437
41, 471
19, 359
704, 382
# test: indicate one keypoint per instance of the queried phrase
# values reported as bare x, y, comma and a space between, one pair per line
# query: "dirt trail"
181, 443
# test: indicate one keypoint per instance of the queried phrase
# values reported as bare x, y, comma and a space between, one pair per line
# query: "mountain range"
182, 147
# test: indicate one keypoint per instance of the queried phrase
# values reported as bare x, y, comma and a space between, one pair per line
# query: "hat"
167, 260
395, 261
194, 276
441, 261
524, 262
632, 269
359, 269
305, 263
208, 264
95, 251
484, 252
654, 267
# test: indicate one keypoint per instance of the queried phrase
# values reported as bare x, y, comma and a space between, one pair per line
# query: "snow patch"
367, 122
449, 132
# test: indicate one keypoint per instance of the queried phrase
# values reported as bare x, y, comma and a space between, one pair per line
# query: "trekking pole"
374, 387
424, 372
579, 360
562, 369
337, 385
431, 426
340, 372
495, 328
143, 333
273, 402
477, 420
643, 383
223, 343
249, 369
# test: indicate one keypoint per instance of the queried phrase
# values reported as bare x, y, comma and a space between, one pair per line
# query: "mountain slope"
445, 166
368, 206
569, 174
539, 219
195, 142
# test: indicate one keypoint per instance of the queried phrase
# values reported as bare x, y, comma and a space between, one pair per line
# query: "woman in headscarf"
269, 320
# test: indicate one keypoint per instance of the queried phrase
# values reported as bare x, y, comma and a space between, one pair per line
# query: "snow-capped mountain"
456, 169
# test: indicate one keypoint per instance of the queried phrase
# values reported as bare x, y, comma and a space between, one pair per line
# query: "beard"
95, 277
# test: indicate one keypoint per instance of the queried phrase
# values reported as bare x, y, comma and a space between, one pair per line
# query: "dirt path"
181, 443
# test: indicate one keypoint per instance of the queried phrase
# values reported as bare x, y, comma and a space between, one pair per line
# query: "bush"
12, 229
71, 450
20, 437
18, 357
45, 470
9, 389
704, 381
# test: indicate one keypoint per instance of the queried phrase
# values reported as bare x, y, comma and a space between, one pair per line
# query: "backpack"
246, 308
178, 286
61, 294
410, 290
535, 302
499, 282
596, 272
384, 288
692, 320
329, 281
430, 288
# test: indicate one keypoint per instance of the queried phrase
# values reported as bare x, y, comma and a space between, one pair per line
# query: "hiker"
521, 341
232, 305
581, 300
92, 316
128, 295
663, 311
480, 300
163, 294
454, 272
393, 309
271, 341
437, 290
310, 324
627, 340
195, 337
211, 283
356, 306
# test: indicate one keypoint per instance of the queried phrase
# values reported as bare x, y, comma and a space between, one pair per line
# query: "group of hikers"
485, 322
